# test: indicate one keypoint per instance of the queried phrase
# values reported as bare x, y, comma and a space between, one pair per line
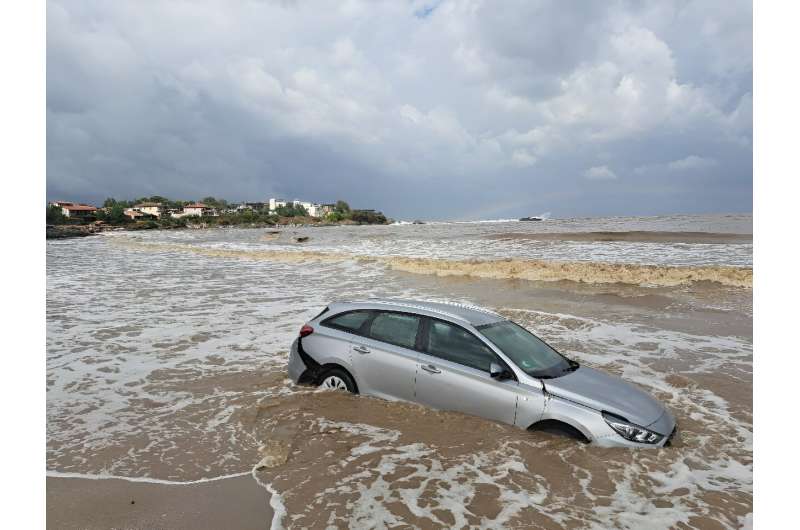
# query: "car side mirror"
496, 371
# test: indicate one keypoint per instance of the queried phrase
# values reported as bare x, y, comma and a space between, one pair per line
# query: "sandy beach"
237, 503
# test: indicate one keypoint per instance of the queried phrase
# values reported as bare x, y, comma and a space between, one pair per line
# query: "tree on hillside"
116, 214
334, 217
55, 216
110, 202
290, 210
368, 217
214, 202
341, 207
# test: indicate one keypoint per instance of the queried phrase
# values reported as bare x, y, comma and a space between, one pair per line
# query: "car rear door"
384, 356
453, 374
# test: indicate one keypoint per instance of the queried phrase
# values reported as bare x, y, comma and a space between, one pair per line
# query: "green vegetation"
368, 217
220, 204
55, 217
113, 213
291, 211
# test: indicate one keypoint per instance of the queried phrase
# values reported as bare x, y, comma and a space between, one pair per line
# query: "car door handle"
361, 349
431, 369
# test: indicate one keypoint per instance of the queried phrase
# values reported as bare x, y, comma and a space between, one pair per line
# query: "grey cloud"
505, 105
600, 173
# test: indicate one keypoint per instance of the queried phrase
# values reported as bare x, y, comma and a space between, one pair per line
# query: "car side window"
455, 344
395, 328
352, 321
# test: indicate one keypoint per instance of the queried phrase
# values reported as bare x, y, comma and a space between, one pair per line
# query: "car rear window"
350, 321
395, 328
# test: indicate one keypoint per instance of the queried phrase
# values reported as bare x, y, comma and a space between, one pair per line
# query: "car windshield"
527, 351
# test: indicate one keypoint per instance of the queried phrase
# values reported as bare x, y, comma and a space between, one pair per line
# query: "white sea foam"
456, 478
145, 480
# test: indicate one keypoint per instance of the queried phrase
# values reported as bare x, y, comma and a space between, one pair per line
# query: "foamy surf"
509, 269
577, 271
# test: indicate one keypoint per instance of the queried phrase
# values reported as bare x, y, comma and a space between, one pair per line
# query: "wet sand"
237, 503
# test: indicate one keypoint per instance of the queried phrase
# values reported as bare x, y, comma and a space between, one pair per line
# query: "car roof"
473, 315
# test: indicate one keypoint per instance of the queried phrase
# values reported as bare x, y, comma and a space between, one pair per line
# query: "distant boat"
532, 218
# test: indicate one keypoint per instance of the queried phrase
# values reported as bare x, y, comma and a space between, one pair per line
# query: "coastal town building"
313, 209
74, 210
136, 214
249, 206
309, 207
274, 204
153, 208
197, 210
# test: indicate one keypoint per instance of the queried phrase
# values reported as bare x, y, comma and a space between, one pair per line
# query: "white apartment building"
313, 209
274, 204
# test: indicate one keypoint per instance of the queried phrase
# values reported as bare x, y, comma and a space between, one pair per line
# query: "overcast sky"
453, 109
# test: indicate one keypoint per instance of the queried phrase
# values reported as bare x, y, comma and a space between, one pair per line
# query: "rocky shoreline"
72, 231
69, 231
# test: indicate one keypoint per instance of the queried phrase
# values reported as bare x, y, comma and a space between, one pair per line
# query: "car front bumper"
605, 436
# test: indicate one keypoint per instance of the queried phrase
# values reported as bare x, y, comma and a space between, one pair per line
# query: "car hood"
605, 392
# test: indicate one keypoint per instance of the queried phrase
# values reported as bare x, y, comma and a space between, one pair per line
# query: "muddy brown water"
170, 365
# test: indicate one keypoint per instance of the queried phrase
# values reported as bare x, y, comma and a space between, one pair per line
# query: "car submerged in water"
472, 360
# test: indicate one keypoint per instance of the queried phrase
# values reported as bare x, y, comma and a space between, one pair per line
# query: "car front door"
385, 357
453, 374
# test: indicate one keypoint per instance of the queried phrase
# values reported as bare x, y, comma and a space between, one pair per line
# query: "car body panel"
531, 403
606, 392
447, 385
385, 370
665, 424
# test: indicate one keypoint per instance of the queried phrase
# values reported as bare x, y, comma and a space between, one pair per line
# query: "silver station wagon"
472, 360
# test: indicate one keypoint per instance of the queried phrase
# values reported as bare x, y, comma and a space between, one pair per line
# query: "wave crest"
509, 269
578, 271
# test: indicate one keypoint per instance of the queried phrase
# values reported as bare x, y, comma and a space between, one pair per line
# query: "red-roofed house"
74, 210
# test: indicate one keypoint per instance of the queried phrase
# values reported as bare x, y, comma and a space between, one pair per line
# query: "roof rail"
400, 303
479, 309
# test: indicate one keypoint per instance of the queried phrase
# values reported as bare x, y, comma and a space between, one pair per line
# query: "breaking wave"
507, 269
578, 271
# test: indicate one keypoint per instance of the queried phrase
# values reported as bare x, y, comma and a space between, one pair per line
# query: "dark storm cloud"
475, 109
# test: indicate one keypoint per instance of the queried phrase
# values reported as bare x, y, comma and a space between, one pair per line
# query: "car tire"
337, 379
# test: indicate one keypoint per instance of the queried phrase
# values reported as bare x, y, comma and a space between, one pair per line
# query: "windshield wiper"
572, 366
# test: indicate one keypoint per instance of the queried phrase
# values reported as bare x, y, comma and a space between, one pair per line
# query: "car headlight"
631, 431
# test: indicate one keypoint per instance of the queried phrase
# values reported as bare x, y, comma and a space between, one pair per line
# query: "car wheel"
337, 379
